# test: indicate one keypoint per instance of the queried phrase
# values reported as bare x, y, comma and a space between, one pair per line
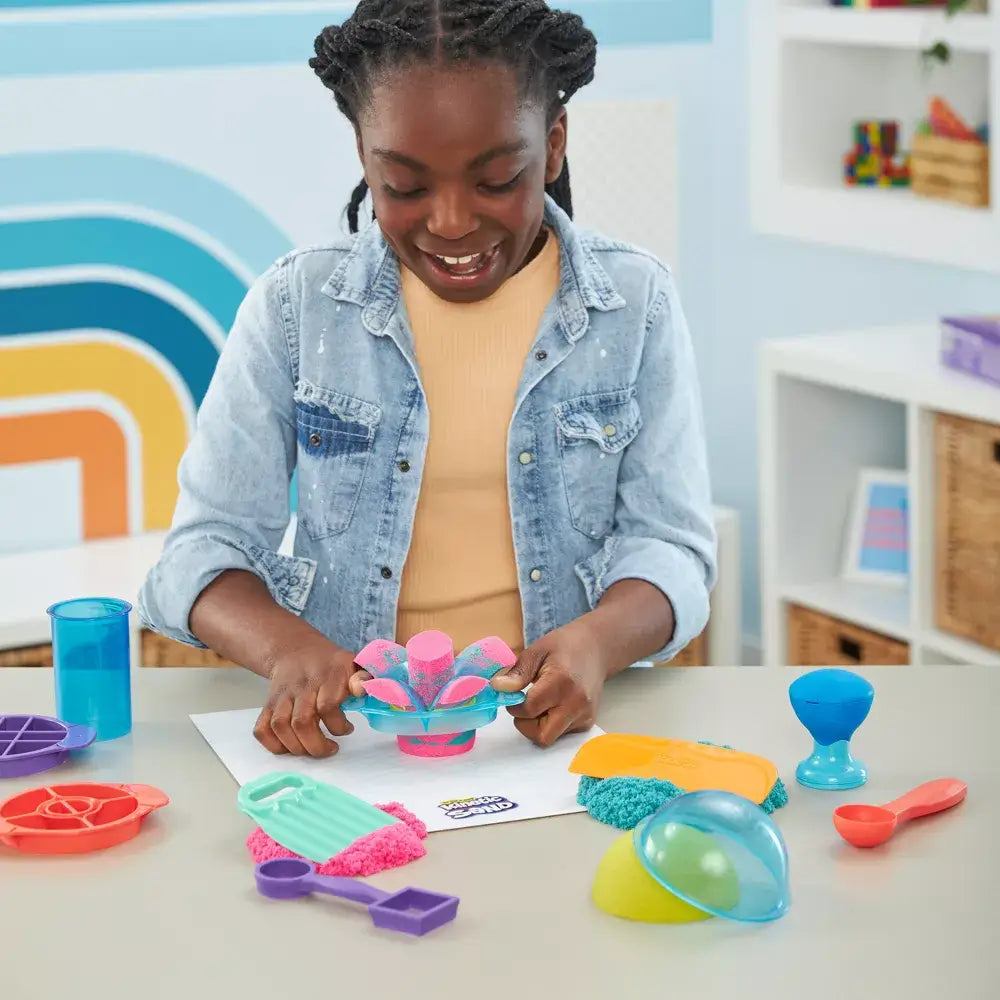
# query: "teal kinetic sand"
624, 802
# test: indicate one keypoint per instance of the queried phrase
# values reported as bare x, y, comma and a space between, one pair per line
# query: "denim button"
541, 355
404, 466
386, 573
536, 575
525, 458
610, 430
315, 440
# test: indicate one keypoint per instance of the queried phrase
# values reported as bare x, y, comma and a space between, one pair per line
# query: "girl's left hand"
566, 671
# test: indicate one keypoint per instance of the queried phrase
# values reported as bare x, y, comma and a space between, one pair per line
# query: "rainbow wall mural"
119, 275
155, 157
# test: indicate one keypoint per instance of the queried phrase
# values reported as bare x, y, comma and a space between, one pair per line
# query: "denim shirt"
606, 464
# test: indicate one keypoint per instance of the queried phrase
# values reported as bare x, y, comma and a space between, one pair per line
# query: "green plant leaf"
938, 52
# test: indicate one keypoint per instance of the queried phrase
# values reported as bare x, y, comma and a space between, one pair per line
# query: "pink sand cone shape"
485, 657
391, 692
430, 657
379, 657
459, 690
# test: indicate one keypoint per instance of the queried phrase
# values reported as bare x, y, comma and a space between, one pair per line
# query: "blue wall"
217, 36
740, 287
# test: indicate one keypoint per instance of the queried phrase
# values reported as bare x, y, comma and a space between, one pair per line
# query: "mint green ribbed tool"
309, 818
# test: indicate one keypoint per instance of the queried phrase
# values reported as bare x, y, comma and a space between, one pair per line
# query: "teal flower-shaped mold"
424, 690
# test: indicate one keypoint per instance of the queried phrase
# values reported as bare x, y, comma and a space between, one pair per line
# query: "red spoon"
869, 826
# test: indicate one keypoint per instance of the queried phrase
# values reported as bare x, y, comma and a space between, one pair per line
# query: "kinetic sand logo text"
482, 805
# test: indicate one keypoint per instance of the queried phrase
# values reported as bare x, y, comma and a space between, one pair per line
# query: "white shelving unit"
725, 628
829, 406
815, 69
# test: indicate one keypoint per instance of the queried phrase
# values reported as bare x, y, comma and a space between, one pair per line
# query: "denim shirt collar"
369, 277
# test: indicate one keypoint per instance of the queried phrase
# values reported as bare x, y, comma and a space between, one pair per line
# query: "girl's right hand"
308, 685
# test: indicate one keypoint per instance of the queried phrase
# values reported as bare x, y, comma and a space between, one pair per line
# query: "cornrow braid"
552, 51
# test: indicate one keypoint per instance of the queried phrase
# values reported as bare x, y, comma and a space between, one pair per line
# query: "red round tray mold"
76, 818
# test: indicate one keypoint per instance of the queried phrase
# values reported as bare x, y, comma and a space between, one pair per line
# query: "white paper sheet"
503, 779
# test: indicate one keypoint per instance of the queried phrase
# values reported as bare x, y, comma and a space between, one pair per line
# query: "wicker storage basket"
818, 640
967, 529
27, 656
158, 651
694, 654
951, 169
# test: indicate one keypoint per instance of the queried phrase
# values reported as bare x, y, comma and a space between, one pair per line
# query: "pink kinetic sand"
391, 847
429, 659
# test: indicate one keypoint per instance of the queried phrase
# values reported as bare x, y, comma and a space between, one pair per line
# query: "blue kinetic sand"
831, 704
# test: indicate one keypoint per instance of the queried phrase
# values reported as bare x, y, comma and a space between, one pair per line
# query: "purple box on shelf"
971, 344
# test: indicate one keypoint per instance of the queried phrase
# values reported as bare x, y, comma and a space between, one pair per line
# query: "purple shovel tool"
411, 911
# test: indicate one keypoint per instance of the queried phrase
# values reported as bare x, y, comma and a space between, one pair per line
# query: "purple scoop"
411, 911
33, 743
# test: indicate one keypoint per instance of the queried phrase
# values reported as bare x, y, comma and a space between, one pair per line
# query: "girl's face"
457, 165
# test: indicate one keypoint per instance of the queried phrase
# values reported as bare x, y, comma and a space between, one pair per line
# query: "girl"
495, 418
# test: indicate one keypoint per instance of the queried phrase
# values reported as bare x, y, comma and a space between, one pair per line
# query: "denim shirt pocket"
336, 433
593, 432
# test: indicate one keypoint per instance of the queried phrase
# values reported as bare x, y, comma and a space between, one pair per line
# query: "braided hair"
552, 52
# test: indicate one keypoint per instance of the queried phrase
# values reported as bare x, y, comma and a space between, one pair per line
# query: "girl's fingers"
528, 668
528, 728
356, 680
551, 688
281, 725
555, 724
265, 734
305, 725
331, 714
542, 696
547, 728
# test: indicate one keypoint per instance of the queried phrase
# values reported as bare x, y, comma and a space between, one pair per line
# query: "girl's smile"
464, 270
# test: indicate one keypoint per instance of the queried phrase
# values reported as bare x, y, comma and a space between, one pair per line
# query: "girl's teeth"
464, 267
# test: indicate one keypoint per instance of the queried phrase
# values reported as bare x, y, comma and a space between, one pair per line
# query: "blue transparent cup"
92, 660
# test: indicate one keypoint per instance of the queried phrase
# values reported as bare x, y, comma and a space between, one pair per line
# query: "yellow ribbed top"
460, 575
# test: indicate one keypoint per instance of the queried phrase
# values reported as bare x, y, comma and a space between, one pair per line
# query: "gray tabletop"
174, 913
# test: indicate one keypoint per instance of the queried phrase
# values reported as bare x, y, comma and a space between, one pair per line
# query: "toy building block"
876, 137
876, 160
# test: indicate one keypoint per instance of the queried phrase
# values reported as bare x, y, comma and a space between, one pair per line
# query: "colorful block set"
876, 160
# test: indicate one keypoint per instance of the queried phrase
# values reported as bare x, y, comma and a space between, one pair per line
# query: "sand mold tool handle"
931, 797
